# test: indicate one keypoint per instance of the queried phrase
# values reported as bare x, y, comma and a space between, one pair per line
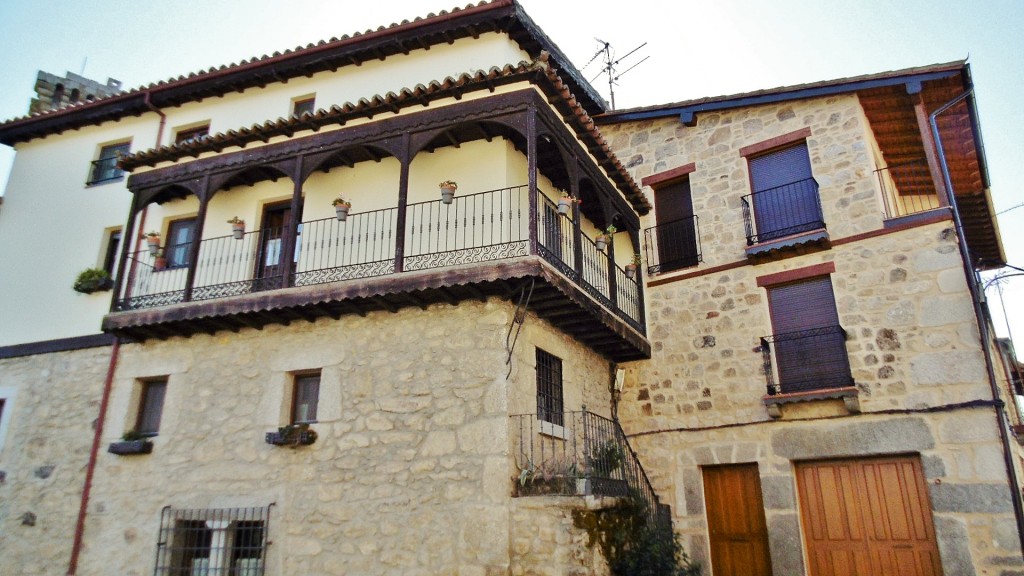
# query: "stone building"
311, 357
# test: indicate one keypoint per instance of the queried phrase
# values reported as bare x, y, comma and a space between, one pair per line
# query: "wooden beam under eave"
383, 303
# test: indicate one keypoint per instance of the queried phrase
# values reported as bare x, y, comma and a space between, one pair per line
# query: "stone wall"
411, 473
902, 297
546, 541
51, 408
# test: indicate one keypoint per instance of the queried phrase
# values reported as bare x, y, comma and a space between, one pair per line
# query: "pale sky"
695, 47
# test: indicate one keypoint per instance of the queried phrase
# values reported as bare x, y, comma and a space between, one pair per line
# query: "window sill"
848, 394
795, 244
553, 430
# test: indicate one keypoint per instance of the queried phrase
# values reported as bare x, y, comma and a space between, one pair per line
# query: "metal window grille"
212, 542
104, 169
549, 388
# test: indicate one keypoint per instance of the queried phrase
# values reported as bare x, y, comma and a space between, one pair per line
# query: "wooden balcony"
481, 245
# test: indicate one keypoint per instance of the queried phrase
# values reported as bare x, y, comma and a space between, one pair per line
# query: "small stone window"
213, 541
305, 398
550, 407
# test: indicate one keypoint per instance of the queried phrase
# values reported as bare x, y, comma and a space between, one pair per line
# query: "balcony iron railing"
481, 227
782, 211
105, 170
672, 245
806, 360
587, 454
907, 188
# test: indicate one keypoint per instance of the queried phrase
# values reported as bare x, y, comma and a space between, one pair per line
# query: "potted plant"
565, 203
93, 280
159, 261
632, 266
237, 227
293, 435
448, 188
131, 442
341, 208
604, 238
153, 240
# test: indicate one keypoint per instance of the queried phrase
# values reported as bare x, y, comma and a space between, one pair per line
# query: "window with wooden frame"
104, 168
113, 244
195, 133
179, 239
151, 407
550, 406
784, 195
304, 105
305, 398
809, 344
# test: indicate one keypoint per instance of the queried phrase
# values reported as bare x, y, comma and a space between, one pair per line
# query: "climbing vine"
632, 545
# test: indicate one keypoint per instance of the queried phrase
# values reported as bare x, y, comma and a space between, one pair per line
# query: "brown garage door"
739, 538
867, 516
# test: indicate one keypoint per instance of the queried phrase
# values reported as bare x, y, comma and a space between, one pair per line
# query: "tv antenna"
612, 64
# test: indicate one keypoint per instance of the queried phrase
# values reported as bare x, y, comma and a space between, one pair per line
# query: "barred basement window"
549, 388
212, 542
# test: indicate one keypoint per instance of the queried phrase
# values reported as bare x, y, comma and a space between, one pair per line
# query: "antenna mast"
611, 64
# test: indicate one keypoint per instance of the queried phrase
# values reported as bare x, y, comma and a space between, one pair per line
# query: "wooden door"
736, 523
869, 516
277, 221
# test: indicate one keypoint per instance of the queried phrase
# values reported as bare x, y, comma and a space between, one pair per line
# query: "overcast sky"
694, 47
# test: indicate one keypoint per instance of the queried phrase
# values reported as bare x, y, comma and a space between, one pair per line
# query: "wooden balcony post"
197, 239
914, 89
531, 163
613, 293
403, 202
577, 216
291, 228
129, 239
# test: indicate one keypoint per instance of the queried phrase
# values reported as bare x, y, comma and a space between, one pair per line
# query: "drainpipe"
145, 209
976, 300
76, 546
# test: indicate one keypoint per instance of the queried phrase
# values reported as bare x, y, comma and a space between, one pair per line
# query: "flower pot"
238, 231
630, 270
154, 244
564, 205
296, 435
160, 263
601, 242
447, 195
341, 211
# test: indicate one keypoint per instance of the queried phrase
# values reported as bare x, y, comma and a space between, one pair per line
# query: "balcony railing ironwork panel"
363, 246
907, 188
672, 246
556, 459
473, 228
806, 360
105, 170
487, 226
782, 211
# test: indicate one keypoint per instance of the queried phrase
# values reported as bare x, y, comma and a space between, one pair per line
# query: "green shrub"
93, 280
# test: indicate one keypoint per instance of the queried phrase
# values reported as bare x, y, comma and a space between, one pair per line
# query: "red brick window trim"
796, 275
776, 142
668, 176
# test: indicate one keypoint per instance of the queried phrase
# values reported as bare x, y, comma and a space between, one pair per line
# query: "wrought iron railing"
587, 454
782, 211
907, 188
105, 170
481, 227
213, 542
806, 360
672, 245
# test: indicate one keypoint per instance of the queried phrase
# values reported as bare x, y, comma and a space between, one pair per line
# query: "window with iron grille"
549, 388
785, 195
212, 542
104, 168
